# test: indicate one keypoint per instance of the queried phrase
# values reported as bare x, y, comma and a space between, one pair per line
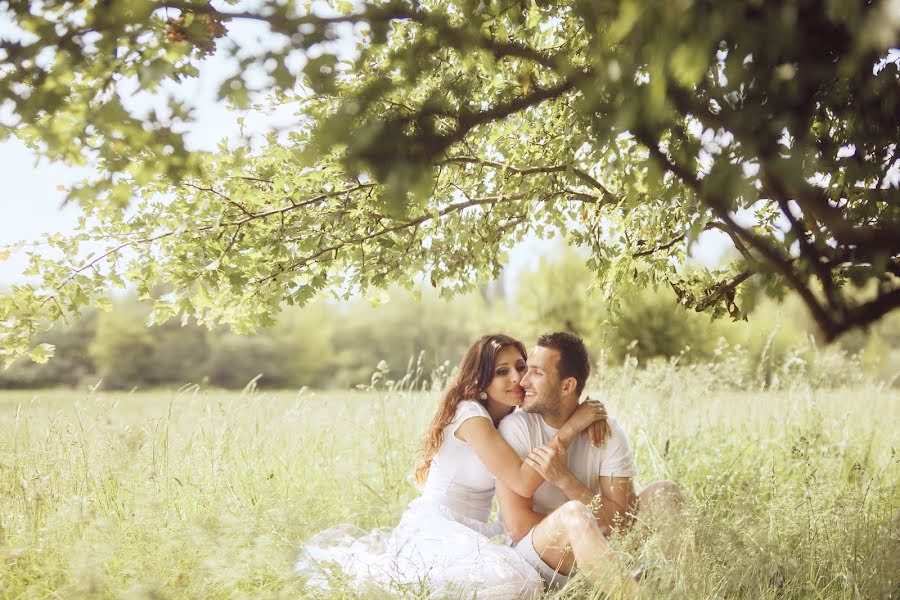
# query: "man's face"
541, 382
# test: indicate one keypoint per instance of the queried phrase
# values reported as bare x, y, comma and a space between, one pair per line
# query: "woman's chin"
511, 400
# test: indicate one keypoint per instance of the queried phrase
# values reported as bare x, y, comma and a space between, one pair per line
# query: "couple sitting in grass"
562, 471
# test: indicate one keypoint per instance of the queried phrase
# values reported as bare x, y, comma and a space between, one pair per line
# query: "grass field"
206, 494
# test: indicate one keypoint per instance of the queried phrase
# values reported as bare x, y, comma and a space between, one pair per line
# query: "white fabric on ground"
443, 542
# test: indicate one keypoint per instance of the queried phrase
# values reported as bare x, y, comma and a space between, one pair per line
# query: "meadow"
792, 486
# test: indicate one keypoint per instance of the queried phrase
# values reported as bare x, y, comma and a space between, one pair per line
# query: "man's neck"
559, 417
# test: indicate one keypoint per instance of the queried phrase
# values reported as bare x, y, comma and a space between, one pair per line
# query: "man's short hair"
573, 356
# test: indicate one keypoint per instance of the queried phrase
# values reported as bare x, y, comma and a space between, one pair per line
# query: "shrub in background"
127, 353
71, 363
652, 325
401, 328
556, 296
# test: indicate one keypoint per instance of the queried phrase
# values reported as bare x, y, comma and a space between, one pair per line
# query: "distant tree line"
338, 345
321, 345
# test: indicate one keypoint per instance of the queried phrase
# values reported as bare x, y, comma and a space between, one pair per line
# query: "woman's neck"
497, 410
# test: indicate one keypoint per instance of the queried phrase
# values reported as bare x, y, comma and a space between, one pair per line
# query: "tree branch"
811, 199
812, 255
452, 208
251, 217
91, 264
295, 205
735, 239
580, 174
237, 205
781, 263
867, 313
539, 94
656, 249
397, 10
461, 37
722, 289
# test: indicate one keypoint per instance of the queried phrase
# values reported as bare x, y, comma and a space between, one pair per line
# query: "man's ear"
569, 385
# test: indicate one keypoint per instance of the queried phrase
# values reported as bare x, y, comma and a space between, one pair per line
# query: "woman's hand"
591, 416
597, 432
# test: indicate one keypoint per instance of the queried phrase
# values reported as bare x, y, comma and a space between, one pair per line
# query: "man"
565, 521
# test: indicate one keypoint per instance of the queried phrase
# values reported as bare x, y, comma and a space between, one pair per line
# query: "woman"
445, 541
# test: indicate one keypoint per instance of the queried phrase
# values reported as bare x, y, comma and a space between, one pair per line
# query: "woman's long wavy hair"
475, 373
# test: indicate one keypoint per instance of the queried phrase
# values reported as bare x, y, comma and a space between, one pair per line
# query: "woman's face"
508, 369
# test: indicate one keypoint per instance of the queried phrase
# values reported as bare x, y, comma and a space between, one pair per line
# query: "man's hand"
551, 461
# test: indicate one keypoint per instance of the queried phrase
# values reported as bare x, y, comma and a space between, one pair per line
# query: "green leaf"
41, 353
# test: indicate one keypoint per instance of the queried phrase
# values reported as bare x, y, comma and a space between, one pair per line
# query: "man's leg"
660, 498
570, 535
659, 509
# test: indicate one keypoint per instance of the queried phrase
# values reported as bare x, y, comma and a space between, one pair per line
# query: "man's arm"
616, 493
616, 499
518, 513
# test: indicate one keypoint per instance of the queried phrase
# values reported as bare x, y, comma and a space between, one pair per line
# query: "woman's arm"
590, 415
498, 456
503, 462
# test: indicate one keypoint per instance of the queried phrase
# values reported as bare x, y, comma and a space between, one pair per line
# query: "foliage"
126, 353
880, 356
71, 364
208, 494
454, 130
559, 296
296, 353
654, 325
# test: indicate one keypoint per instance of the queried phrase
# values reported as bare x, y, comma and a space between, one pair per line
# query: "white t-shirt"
526, 431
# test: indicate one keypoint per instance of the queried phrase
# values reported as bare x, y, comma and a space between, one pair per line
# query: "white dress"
444, 542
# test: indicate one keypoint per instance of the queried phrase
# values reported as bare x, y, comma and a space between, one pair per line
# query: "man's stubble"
546, 405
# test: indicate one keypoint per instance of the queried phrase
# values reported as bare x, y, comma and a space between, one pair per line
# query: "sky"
31, 198
30, 202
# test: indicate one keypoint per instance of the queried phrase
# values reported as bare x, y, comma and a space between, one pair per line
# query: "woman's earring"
482, 396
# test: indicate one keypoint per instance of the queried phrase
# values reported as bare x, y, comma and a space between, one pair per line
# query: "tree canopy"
455, 129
